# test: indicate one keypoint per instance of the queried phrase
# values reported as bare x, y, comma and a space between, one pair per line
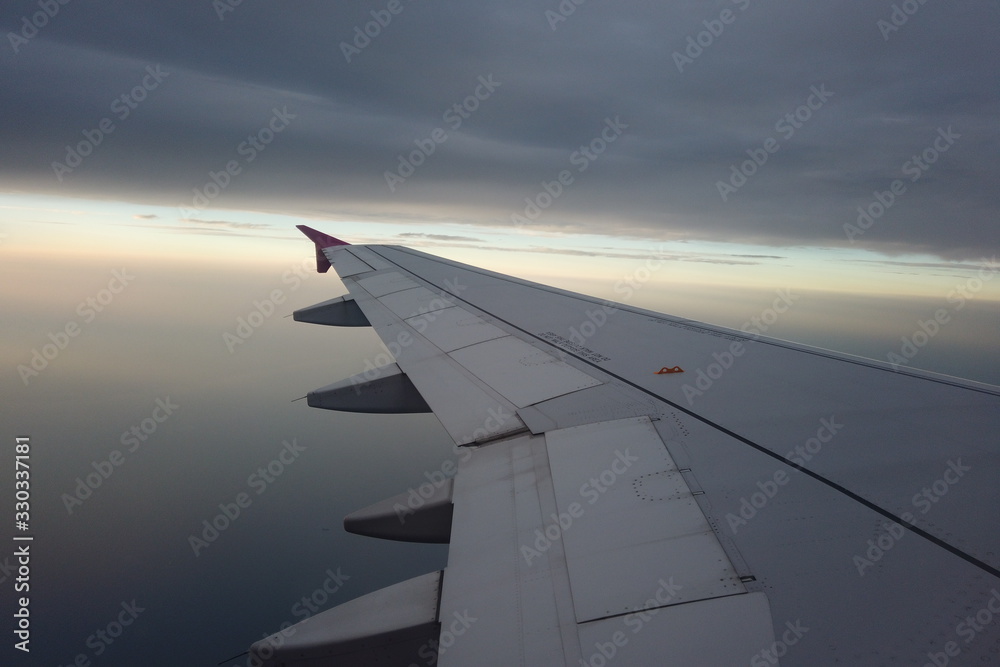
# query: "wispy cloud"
951, 266
429, 240
230, 224
438, 237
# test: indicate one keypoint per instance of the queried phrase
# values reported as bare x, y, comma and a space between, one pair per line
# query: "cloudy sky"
692, 90
846, 151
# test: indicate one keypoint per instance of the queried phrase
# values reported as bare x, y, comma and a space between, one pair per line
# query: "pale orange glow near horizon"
53, 231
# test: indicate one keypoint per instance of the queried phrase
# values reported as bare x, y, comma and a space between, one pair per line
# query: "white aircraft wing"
639, 489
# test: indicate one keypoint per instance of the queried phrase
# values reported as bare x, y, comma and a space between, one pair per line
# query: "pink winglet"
322, 241
319, 238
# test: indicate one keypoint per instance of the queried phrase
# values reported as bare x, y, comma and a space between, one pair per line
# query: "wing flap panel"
520, 600
468, 410
454, 328
414, 302
370, 258
386, 283
626, 502
521, 372
344, 262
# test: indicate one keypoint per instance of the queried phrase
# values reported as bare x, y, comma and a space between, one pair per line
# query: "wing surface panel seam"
969, 558
662, 606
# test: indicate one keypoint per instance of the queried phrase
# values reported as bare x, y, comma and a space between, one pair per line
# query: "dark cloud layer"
546, 87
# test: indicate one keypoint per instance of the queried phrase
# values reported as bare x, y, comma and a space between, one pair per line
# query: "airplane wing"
639, 489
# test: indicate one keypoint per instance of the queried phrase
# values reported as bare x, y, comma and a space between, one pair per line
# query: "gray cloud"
349, 122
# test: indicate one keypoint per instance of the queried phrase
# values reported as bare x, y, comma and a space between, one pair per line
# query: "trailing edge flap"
340, 312
417, 515
386, 627
390, 391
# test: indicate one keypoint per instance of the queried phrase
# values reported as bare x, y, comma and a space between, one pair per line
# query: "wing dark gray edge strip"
969, 558
598, 619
